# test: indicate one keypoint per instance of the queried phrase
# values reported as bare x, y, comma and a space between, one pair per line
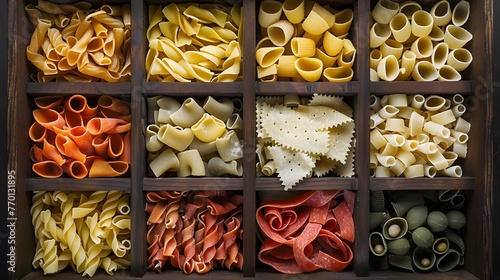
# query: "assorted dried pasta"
416, 136
301, 137
194, 42
85, 231
304, 41
79, 43
193, 138
194, 231
80, 137
409, 43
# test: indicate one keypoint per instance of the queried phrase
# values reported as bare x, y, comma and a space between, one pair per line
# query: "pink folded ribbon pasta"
307, 232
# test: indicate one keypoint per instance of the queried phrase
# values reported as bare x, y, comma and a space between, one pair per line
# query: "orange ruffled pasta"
194, 231
76, 138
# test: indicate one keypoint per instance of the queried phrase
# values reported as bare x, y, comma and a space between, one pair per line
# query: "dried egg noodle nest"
307, 139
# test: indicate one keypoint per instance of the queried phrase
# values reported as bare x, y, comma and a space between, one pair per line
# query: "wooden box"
476, 86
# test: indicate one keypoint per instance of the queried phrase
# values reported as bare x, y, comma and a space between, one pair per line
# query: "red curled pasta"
307, 232
195, 231
83, 141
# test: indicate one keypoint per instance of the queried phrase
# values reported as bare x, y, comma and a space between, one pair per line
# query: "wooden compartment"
477, 183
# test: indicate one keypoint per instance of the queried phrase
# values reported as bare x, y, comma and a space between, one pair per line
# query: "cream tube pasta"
343, 21
422, 47
218, 167
166, 161
430, 136
190, 163
318, 21
388, 68
421, 23
384, 10
388, 111
175, 137
414, 171
269, 12
459, 59
221, 109
407, 63
460, 13
424, 71
400, 27
280, 32
294, 10
338, 74
379, 33
375, 58
441, 13
409, 7
391, 47
456, 37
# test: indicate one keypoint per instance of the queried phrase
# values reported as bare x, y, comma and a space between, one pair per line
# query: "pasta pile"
307, 232
81, 230
417, 231
194, 139
408, 42
194, 42
74, 136
417, 136
304, 41
299, 137
194, 231
77, 43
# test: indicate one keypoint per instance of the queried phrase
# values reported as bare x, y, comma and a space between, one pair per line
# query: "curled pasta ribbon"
47, 169
292, 225
101, 168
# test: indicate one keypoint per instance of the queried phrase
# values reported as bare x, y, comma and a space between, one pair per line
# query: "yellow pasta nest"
76, 43
296, 138
86, 231
416, 136
304, 41
194, 42
409, 43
